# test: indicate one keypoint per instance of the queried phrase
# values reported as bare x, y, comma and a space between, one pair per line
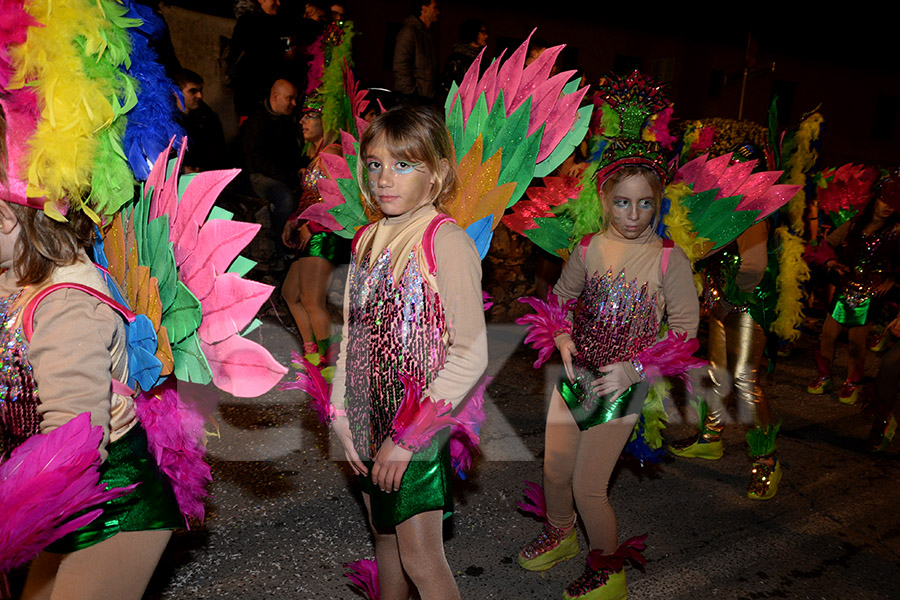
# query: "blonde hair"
415, 134
620, 175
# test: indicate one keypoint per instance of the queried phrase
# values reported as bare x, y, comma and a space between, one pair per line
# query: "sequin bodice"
310, 188
19, 418
615, 319
871, 258
394, 328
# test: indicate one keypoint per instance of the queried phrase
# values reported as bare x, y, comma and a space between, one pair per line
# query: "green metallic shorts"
329, 246
853, 316
425, 486
589, 410
150, 506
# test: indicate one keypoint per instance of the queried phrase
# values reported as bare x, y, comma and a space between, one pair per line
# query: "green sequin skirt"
329, 246
853, 316
589, 410
150, 506
425, 486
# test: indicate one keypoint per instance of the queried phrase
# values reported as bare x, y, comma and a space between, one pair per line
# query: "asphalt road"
284, 516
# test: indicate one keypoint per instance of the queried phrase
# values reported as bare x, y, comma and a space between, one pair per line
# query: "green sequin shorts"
150, 506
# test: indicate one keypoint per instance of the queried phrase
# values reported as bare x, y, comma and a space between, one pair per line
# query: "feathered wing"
45, 482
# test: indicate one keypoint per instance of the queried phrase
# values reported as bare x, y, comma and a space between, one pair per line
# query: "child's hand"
287, 234
614, 381
884, 288
567, 351
341, 427
390, 465
304, 235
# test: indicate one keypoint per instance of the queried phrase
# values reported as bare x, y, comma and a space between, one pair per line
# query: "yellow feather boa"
792, 271
803, 160
74, 107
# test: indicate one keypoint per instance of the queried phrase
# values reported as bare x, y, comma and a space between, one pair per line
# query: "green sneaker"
598, 585
764, 478
549, 548
697, 447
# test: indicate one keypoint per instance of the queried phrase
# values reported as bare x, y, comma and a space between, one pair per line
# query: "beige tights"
413, 555
577, 467
115, 569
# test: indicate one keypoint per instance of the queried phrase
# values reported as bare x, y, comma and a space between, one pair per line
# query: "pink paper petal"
242, 367
230, 307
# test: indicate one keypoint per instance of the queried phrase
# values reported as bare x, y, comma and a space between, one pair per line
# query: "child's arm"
70, 356
459, 287
682, 303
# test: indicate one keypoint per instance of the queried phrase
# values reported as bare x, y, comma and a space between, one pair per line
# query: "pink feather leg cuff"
419, 419
550, 319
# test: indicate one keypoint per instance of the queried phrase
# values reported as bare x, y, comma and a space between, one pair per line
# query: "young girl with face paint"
64, 354
413, 321
626, 279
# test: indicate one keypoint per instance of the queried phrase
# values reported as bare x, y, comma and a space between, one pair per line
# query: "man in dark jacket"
416, 57
273, 157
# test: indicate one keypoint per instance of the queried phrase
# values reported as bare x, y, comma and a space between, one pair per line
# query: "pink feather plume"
549, 320
45, 481
535, 502
310, 381
849, 188
363, 574
176, 438
819, 254
630, 550
418, 419
464, 435
671, 357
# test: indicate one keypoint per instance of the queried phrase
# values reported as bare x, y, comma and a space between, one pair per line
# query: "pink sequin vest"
615, 319
19, 418
394, 328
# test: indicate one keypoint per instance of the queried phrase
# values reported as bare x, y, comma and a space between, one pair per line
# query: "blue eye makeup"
401, 167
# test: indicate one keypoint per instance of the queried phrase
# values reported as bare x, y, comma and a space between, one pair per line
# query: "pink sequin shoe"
549, 548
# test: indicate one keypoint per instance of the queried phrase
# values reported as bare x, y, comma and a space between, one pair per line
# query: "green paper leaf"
552, 233
218, 212
183, 317
453, 89
253, 325
474, 126
157, 254
190, 363
241, 265
510, 135
494, 129
455, 128
520, 168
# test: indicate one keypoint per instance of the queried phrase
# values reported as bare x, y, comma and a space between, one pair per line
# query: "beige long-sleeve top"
640, 259
752, 247
77, 348
458, 283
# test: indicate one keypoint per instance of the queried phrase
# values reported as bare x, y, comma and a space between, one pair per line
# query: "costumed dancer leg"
712, 406
747, 342
856, 346
290, 291
886, 385
421, 544
119, 567
557, 541
824, 382
392, 581
598, 453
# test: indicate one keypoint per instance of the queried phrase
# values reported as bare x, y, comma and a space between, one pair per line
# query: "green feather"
762, 441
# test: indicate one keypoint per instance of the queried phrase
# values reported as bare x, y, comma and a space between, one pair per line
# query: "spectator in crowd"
416, 56
273, 157
206, 141
473, 37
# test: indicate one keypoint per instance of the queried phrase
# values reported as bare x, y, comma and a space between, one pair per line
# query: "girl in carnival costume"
325, 112
414, 343
414, 319
626, 280
861, 255
75, 354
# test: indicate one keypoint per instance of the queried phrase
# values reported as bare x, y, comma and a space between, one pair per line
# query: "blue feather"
480, 231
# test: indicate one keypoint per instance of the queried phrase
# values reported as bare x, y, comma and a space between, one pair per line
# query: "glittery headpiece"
634, 121
312, 104
326, 94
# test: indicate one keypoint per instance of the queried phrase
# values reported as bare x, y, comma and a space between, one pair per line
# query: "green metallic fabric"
851, 316
151, 505
425, 486
329, 246
586, 413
